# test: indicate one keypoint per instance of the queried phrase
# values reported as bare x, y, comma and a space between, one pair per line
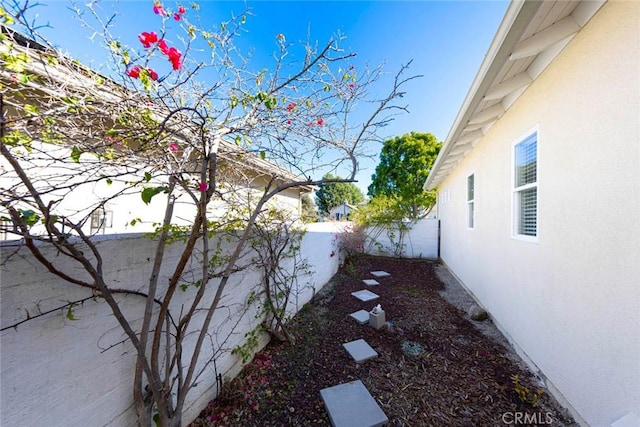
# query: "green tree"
332, 194
405, 163
309, 212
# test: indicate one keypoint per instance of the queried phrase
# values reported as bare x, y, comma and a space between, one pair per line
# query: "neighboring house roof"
75, 77
531, 35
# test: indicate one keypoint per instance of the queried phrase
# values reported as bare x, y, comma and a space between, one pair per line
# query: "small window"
470, 200
101, 219
525, 188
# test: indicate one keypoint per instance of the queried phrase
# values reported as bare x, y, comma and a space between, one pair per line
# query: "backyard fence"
415, 239
75, 368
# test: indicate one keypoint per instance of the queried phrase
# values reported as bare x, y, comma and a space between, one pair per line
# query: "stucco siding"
571, 301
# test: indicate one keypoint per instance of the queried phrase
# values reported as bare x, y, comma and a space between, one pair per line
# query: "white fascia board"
515, 21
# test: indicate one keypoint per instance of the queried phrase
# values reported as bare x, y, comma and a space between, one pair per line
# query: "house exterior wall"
128, 205
340, 213
60, 372
570, 301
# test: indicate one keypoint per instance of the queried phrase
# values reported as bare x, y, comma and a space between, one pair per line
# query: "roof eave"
514, 23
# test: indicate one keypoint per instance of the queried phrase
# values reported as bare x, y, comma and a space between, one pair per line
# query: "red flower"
152, 74
291, 106
288, 122
203, 186
351, 85
147, 39
158, 9
320, 122
174, 57
162, 45
174, 147
176, 16
181, 10
134, 72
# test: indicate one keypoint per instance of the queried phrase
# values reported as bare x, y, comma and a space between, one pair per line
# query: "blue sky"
445, 39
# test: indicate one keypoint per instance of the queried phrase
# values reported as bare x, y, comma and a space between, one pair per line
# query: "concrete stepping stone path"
351, 405
380, 274
360, 351
370, 282
362, 317
365, 295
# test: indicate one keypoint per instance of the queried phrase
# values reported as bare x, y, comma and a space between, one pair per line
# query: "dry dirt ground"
436, 367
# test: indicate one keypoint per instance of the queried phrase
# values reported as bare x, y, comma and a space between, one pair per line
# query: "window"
100, 220
525, 188
470, 198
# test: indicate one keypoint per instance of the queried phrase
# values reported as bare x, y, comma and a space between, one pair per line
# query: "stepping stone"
362, 316
351, 405
371, 282
380, 274
360, 351
365, 295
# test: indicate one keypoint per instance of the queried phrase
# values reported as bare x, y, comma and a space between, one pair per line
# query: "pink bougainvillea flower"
203, 186
320, 122
351, 85
162, 45
174, 147
182, 10
174, 57
148, 39
158, 9
152, 74
134, 72
177, 16
291, 106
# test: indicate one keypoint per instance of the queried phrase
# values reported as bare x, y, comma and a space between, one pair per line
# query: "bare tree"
177, 135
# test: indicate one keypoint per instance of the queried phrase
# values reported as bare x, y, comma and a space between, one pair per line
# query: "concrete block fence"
61, 372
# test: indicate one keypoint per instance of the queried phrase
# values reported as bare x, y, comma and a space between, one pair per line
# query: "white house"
342, 212
539, 194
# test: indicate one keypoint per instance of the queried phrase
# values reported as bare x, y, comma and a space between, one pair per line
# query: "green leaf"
244, 19
29, 217
125, 57
263, 155
70, 315
109, 181
147, 176
31, 109
148, 193
75, 154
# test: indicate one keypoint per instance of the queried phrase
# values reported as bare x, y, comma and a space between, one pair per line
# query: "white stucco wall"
122, 201
62, 373
571, 301
419, 241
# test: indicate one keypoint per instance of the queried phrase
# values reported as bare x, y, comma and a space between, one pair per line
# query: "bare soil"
436, 367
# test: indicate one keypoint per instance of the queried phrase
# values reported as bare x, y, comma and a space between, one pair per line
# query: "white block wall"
420, 241
59, 372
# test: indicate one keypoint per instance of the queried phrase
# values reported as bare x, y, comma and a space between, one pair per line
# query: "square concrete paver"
362, 316
360, 351
351, 405
371, 282
365, 295
380, 274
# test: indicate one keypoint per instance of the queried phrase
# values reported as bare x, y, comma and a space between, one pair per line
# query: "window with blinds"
525, 187
470, 200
